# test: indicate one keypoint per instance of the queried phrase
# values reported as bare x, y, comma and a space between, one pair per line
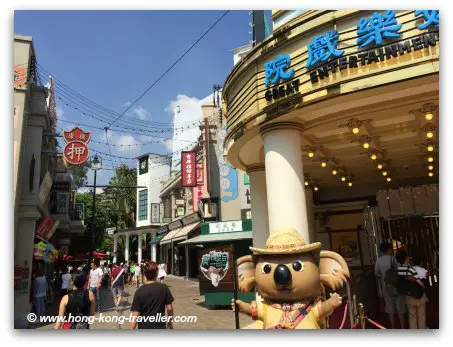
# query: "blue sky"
111, 57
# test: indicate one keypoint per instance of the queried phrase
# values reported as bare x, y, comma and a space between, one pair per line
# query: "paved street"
187, 302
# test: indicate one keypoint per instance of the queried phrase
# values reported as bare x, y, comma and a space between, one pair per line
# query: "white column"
285, 178
126, 251
310, 215
115, 248
260, 220
139, 250
153, 252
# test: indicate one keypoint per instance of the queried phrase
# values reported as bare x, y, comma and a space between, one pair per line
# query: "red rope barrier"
375, 324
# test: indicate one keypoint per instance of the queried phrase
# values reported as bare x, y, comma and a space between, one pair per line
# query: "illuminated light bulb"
334, 172
430, 174
429, 116
343, 178
430, 159
380, 166
389, 179
316, 189
430, 167
430, 148
384, 173
311, 154
366, 145
350, 184
429, 134
323, 164
373, 157
306, 183
355, 130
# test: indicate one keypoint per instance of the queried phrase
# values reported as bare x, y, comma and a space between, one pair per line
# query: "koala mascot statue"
290, 276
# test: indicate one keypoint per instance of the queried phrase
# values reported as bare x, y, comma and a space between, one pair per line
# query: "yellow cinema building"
335, 118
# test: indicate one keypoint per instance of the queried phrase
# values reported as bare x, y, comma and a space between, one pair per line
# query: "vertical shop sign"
188, 169
155, 213
197, 192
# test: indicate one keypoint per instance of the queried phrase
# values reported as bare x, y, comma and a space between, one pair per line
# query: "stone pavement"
187, 302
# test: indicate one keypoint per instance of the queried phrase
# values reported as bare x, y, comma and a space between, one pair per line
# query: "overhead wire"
171, 67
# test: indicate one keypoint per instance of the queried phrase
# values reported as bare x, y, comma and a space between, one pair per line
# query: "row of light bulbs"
430, 148
311, 154
365, 144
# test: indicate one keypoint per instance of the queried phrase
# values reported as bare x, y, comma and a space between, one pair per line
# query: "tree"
79, 174
122, 201
103, 220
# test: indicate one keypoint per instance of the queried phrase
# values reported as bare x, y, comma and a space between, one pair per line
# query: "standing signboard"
216, 268
188, 169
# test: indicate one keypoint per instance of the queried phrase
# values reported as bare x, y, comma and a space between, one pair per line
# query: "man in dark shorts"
151, 301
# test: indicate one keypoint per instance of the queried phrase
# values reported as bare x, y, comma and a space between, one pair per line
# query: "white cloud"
60, 112
183, 101
126, 143
141, 113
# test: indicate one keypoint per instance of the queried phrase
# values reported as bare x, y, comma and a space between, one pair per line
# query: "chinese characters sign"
197, 192
377, 27
225, 227
324, 56
188, 168
76, 151
155, 213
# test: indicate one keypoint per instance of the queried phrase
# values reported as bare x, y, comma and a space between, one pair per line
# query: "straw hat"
285, 241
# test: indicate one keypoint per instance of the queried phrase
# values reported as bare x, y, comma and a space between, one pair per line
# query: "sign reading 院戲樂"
325, 57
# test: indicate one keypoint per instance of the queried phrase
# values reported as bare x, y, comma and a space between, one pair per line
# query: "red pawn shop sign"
76, 151
188, 169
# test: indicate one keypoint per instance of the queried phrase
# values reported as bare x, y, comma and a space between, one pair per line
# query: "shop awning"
157, 238
219, 237
184, 232
169, 236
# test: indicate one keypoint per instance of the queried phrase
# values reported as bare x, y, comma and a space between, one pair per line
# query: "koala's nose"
282, 275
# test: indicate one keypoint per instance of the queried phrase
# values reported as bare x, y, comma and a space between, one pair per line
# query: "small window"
143, 165
143, 204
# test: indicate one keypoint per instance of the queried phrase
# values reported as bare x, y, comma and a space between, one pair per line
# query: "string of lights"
108, 113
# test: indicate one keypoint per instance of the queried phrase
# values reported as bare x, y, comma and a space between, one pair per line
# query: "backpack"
409, 287
391, 280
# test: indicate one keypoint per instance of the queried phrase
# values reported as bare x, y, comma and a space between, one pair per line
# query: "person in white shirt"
161, 274
65, 279
417, 307
137, 275
94, 284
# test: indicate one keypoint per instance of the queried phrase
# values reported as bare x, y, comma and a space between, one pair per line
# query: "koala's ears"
246, 273
333, 270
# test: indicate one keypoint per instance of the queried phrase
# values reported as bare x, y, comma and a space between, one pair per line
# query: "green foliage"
122, 201
79, 174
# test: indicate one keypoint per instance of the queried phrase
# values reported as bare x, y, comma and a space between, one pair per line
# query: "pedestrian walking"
94, 284
132, 273
65, 279
137, 275
78, 303
117, 285
40, 292
152, 299
161, 274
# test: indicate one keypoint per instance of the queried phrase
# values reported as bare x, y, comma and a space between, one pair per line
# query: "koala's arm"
243, 307
325, 308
